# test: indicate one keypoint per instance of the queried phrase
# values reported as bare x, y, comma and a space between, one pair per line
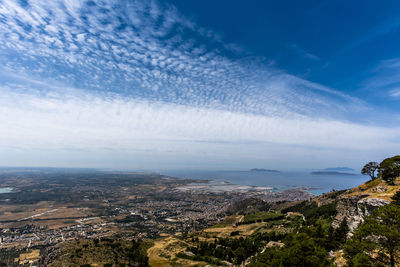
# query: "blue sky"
198, 84
338, 44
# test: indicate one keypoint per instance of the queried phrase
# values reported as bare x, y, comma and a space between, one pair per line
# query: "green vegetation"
373, 183
308, 246
396, 198
7, 257
258, 233
305, 242
299, 250
370, 168
103, 252
389, 168
248, 206
262, 217
312, 212
377, 240
234, 250
301, 234
230, 220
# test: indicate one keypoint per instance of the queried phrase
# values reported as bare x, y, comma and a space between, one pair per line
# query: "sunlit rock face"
354, 209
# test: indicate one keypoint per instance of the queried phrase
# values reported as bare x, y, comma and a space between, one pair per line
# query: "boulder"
379, 189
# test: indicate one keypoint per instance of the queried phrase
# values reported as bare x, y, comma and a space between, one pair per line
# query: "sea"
279, 181
5, 190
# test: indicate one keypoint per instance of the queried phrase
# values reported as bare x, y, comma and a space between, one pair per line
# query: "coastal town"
93, 205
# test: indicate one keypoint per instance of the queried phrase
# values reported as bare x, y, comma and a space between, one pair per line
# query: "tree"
389, 168
302, 251
361, 260
377, 239
340, 234
370, 168
391, 172
299, 250
240, 255
396, 198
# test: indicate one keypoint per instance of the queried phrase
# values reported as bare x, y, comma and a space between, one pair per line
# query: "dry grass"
49, 214
26, 258
163, 252
17, 212
228, 221
339, 260
372, 189
224, 232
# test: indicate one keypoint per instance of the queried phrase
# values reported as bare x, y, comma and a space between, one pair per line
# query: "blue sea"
317, 184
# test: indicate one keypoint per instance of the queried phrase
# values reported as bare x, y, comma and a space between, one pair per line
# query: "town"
48, 207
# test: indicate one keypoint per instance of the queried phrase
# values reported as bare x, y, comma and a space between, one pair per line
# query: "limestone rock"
354, 209
275, 244
379, 189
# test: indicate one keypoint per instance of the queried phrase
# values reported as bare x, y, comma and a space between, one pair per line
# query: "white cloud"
301, 52
154, 85
395, 92
92, 123
385, 78
135, 47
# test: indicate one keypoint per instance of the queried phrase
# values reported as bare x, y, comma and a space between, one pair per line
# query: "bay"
315, 183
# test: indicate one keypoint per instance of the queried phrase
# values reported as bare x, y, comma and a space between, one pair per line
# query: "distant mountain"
263, 170
339, 169
331, 173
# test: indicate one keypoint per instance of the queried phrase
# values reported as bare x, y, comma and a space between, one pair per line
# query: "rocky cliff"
357, 203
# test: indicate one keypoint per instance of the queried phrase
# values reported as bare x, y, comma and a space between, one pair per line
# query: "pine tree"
377, 238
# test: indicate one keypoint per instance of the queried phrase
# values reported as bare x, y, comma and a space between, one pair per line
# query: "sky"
149, 85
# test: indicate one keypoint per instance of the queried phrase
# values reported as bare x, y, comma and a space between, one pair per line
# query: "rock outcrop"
355, 208
357, 203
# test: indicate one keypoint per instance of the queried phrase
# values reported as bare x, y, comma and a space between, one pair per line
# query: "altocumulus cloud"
136, 78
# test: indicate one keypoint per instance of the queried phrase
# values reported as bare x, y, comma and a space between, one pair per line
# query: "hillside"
254, 232
337, 228
277, 231
97, 252
357, 203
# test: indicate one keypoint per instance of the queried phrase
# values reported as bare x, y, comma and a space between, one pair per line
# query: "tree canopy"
377, 240
299, 250
390, 168
370, 168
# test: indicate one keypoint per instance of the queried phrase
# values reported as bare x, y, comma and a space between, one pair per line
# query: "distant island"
332, 173
262, 170
339, 169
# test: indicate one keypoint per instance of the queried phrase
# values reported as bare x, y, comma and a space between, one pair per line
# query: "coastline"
275, 181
